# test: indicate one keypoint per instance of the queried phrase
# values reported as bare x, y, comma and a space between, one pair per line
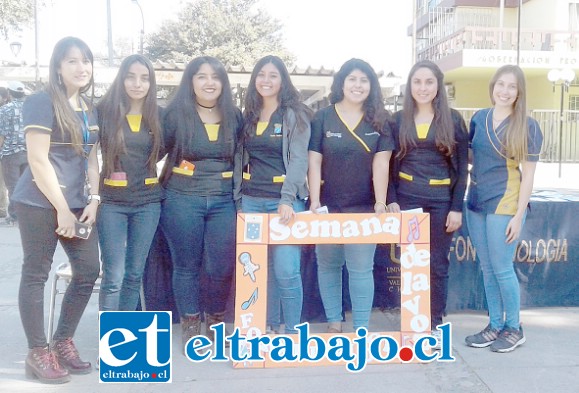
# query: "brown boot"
190, 327
69, 358
214, 319
41, 363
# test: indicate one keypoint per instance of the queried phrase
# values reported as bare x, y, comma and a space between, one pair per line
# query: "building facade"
470, 39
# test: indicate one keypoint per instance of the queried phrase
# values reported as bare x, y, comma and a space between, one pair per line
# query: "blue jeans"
359, 259
439, 247
284, 280
487, 232
198, 228
125, 237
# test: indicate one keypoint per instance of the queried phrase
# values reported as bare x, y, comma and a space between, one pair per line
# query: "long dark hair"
288, 97
66, 117
115, 105
442, 120
184, 104
374, 112
183, 108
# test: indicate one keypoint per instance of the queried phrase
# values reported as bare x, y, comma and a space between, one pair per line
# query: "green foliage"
14, 15
234, 31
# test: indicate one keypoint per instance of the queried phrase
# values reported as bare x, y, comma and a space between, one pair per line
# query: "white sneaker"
438, 336
271, 330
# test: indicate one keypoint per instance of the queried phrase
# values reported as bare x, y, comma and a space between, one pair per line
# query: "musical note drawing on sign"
413, 229
249, 268
254, 296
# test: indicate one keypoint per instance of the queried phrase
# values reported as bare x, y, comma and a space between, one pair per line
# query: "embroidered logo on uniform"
330, 134
277, 129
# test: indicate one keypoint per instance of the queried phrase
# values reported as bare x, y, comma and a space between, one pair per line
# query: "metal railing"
499, 38
554, 132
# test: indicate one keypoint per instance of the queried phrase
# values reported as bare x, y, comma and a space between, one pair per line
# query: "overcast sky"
320, 32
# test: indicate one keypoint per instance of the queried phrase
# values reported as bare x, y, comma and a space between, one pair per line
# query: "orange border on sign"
256, 231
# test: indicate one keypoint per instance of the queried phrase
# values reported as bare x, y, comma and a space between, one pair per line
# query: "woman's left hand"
286, 213
89, 213
380, 208
514, 229
453, 221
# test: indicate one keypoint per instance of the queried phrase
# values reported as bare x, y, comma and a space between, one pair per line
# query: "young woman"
130, 138
198, 216
430, 169
350, 151
505, 144
276, 136
51, 199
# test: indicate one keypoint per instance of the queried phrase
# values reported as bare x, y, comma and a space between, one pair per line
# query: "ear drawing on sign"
249, 268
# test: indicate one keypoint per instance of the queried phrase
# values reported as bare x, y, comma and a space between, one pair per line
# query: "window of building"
433, 3
421, 7
442, 23
573, 106
574, 16
476, 17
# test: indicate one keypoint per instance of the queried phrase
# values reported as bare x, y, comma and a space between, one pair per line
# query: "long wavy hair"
184, 105
374, 112
66, 118
113, 109
515, 139
442, 121
288, 97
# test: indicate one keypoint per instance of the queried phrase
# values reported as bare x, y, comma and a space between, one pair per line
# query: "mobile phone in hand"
82, 230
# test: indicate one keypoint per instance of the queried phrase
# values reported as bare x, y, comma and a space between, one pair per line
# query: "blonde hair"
514, 144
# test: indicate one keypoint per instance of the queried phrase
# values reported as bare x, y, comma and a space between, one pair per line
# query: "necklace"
498, 121
496, 133
209, 108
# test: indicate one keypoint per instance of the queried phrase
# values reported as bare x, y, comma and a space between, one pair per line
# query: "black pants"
39, 240
13, 166
439, 247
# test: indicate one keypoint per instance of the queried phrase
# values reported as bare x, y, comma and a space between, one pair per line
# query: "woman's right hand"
314, 205
66, 220
393, 208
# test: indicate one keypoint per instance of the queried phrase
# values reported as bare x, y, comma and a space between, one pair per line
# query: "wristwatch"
95, 197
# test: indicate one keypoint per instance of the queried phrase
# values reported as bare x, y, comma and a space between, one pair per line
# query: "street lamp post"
36, 47
110, 34
142, 26
564, 78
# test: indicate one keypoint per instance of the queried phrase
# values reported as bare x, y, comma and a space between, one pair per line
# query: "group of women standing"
352, 157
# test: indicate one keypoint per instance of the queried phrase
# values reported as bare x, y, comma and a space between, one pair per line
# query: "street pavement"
547, 362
